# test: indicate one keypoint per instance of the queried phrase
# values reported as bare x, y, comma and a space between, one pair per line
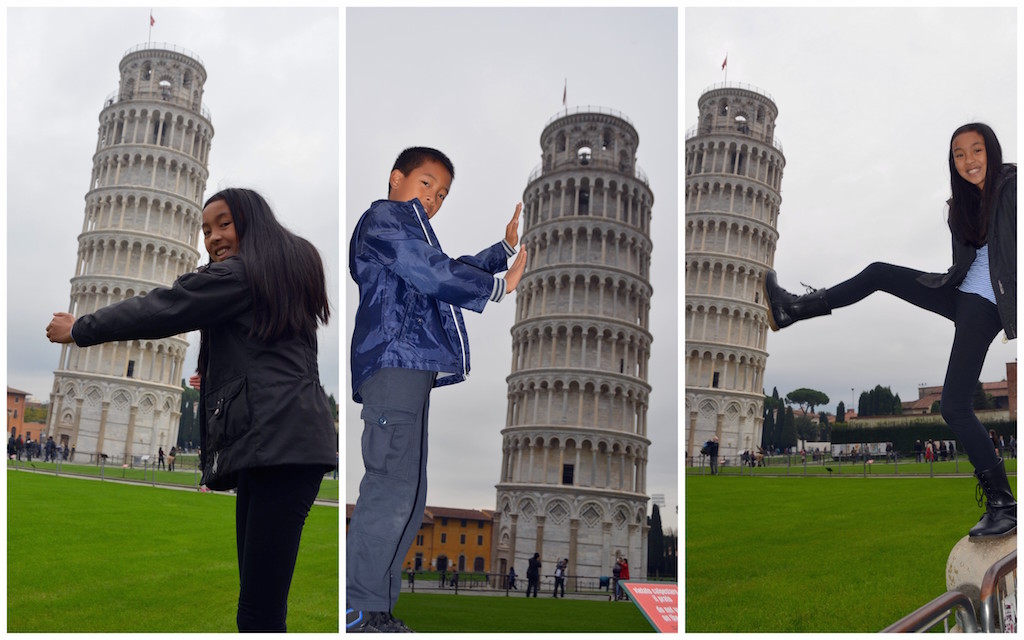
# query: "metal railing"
936, 611
991, 616
822, 463
482, 582
994, 592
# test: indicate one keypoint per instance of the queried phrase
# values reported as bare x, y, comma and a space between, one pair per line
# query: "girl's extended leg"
898, 281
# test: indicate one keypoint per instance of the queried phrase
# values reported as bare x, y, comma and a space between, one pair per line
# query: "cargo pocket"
227, 414
391, 441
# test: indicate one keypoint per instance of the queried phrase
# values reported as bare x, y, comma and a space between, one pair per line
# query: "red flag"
726, 61
152, 20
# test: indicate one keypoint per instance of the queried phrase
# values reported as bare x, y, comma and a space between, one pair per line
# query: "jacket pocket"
227, 414
391, 441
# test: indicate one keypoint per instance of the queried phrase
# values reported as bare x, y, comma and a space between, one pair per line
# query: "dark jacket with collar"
1002, 253
261, 403
411, 295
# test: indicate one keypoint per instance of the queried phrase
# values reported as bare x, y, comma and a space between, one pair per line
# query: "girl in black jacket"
266, 428
978, 293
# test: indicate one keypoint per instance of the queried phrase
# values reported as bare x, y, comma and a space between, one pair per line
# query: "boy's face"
430, 182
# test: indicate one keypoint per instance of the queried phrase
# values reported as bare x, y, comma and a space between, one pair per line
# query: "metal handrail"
991, 590
935, 612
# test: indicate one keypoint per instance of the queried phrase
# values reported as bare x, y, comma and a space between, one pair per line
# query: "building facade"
734, 167
143, 215
574, 466
448, 539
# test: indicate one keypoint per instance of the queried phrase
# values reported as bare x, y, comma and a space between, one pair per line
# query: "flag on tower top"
152, 20
726, 61
565, 88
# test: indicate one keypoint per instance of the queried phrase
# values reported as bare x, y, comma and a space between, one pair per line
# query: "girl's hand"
512, 229
515, 272
59, 329
195, 381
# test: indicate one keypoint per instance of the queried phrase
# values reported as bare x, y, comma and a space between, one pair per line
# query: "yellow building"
447, 539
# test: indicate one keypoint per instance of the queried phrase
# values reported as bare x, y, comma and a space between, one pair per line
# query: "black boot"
1000, 508
784, 308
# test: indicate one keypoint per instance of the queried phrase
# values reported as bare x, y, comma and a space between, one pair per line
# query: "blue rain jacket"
411, 295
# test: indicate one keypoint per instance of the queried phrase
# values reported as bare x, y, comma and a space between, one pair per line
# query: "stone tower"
574, 465
733, 175
143, 214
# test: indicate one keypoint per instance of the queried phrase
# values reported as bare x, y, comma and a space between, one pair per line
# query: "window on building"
131, 369
444, 522
479, 542
419, 541
444, 538
462, 539
714, 380
463, 523
480, 524
567, 473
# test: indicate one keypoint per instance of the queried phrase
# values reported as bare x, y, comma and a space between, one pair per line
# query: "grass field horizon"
88, 556
818, 554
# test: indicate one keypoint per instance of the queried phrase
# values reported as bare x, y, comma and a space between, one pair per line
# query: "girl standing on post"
978, 293
266, 428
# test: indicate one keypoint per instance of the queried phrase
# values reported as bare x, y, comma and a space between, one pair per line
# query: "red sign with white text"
658, 601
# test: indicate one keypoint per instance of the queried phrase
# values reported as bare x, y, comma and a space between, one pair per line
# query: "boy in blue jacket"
409, 337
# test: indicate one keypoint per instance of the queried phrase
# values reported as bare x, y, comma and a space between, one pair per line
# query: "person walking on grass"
978, 293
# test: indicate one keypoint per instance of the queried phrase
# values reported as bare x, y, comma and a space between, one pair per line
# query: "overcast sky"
272, 89
480, 84
868, 100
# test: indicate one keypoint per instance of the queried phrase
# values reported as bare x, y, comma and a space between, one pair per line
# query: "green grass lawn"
427, 612
818, 554
88, 556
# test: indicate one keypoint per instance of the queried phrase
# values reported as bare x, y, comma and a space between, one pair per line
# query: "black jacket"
1002, 253
261, 403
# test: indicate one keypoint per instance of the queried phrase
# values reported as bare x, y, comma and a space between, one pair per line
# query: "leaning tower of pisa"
573, 473
143, 214
734, 167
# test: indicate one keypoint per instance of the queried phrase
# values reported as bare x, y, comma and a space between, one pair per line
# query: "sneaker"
357, 621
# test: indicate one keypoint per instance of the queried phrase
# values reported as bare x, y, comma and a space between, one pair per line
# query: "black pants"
271, 509
977, 323
532, 584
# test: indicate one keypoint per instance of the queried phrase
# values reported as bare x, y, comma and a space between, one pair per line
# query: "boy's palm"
515, 272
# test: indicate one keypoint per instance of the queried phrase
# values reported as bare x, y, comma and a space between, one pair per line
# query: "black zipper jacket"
1002, 253
261, 403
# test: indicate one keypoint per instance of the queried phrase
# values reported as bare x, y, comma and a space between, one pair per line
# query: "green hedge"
903, 436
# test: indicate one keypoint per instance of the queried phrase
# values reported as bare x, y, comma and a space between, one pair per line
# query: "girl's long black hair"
970, 207
286, 274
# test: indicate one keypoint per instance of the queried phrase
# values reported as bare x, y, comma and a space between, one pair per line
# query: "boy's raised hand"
515, 272
512, 229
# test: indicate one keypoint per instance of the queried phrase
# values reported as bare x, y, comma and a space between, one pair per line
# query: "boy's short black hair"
416, 156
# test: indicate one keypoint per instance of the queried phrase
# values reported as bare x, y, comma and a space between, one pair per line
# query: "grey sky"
480, 84
273, 94
868, 100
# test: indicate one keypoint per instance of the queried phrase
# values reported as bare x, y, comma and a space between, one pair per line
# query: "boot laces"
809, 288
979, 494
